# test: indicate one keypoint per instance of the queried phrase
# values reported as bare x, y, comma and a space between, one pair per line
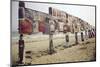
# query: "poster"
25, 20
25, 26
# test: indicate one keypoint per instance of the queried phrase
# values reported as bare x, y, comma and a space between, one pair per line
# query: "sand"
84, 51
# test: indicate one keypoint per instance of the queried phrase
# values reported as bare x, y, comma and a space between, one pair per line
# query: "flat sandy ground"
84, 51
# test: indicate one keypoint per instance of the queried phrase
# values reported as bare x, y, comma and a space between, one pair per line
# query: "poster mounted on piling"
58, 14
25, 20
50, 30
25, 26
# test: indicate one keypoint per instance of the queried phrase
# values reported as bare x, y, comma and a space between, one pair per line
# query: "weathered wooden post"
76, 38
86, 35
51, 31
82, 36
21, 41
76, 34
65, 31
51, 49
75, 25
82, 29
52, 28
21, 49
89, 33
25, 27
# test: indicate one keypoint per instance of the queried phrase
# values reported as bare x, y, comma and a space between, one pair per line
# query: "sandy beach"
39, 48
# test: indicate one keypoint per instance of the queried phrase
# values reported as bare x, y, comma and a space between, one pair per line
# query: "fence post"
21, 41
51, 49
21, 49
82, 38
86, 35
76, 38
66, 40
51, 32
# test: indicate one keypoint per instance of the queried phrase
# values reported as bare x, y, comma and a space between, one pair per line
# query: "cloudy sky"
86, 13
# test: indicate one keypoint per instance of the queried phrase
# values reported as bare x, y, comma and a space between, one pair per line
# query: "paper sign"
25, 26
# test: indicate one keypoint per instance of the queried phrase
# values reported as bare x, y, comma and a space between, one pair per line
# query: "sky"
86, 13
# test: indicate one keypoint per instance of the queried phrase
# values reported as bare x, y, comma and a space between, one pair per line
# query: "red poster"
25, 26
41, 27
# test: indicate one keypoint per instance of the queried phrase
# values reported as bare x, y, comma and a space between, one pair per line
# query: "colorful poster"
25, 21
25, 26
41, 26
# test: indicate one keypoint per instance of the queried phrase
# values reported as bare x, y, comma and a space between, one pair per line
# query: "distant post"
76, 34
76, 38
82, 38
86, 35
65, 27
82, 29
